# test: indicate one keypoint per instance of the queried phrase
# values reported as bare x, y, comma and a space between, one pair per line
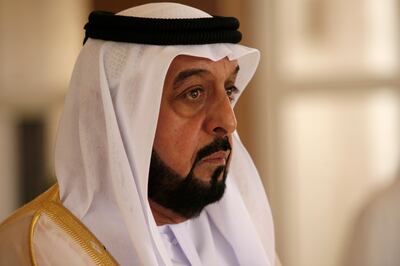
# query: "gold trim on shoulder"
31, 233
51, 206
32, 206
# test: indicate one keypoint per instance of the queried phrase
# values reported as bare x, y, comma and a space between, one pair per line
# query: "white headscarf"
105, 140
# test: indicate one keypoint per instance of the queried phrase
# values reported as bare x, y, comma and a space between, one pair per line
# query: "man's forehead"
182, 62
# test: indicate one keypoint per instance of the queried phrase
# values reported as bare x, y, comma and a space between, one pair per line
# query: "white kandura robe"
197, 242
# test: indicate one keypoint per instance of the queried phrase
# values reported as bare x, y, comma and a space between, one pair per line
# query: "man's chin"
208, 179
186, 196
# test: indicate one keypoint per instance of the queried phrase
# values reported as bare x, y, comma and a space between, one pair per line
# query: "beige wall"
39, 43
8, 163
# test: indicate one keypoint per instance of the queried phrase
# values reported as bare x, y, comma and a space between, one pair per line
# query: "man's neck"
163, 215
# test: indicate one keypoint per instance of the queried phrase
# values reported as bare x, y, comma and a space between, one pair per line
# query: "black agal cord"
108, 26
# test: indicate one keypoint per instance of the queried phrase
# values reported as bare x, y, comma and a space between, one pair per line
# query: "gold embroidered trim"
31, 233
63, 218
78, 232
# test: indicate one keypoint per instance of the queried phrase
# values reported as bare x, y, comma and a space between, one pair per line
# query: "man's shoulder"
26, 212
44, 230
15, 231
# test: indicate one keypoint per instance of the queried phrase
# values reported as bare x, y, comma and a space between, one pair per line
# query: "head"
192, 144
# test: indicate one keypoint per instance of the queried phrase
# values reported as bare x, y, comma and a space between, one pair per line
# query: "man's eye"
194, 94
231, 92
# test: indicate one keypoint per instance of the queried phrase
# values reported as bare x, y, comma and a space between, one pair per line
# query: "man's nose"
221, 120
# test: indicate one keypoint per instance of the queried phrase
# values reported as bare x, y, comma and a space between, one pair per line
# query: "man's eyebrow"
234, 73
188, 73
195, 72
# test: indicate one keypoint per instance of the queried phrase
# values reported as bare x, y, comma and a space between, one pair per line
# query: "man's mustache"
219, 144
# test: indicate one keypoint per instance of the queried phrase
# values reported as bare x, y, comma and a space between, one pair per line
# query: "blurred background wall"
321, 118
39, 42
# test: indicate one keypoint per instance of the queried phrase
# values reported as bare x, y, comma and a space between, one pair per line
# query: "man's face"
192, 144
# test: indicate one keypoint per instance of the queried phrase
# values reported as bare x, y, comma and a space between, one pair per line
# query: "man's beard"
187, 196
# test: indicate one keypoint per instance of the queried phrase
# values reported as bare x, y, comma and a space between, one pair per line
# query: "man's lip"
218, 157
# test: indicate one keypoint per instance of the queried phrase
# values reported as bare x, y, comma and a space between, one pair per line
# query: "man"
150, 168
375, 238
